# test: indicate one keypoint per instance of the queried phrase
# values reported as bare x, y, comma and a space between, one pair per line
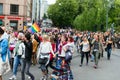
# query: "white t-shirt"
45, 47
86, 47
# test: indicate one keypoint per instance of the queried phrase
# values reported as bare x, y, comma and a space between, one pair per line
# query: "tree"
45, 16
114, 13
93, 14
63, 12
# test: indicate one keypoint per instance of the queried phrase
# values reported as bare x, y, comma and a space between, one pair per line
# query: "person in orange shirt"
35, 46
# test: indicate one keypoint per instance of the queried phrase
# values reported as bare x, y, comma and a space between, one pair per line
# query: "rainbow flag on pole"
34, 28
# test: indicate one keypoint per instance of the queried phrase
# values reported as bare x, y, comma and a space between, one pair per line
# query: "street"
107, 70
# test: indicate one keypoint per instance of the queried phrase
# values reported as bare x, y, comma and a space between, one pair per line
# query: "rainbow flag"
34, 28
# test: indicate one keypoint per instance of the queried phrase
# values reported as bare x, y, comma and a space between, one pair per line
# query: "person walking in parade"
17, 55
43, 56
26, 57
109, 46
96, 49
3, 53
85, 50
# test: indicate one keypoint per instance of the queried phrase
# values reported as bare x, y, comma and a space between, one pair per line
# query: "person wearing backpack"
17, 54
43, 55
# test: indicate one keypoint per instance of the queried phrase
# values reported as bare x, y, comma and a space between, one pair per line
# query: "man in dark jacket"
26, 59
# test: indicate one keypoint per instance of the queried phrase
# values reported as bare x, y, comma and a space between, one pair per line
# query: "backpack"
68, 55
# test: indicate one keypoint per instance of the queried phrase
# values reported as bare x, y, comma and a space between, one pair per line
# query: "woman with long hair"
109, 46
85, 50
44, 54
96, 47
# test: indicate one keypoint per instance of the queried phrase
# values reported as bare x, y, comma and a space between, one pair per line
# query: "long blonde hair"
46, 38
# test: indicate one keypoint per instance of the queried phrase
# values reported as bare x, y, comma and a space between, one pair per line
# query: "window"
14, 24
14, 9
1, 8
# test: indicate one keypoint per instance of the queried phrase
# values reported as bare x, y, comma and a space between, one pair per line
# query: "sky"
51, 1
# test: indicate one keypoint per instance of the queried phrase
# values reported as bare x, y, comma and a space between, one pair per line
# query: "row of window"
14, 9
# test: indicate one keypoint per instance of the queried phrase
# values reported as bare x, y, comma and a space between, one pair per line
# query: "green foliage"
82, 21
45, 16
93, 14
117, 29
63, 12
114, 13
85, 14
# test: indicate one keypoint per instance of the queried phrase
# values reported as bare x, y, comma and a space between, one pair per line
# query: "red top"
40, 38
54, 49
60, 46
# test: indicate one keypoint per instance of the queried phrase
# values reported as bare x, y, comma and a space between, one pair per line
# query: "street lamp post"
107, 19
107, 10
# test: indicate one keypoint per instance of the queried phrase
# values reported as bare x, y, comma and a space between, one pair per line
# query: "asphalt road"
107, 70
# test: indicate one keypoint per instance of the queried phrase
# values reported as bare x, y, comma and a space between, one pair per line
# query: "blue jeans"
16, 64
25, 69
109, 53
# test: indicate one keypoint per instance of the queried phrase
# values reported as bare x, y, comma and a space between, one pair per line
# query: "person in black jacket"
26, 57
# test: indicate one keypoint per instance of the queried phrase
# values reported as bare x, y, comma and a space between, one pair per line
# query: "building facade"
44, 8
13, 13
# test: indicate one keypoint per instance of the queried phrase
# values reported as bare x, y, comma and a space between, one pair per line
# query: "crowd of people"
54, 49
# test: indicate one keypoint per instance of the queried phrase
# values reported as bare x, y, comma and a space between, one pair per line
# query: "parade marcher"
35, 46
118, 40
26, 57
4, 61
109, 46
101, 39
12, 42
62, 43
43, 55
64, 60
69, 48
85, 50
17, 55
95, 50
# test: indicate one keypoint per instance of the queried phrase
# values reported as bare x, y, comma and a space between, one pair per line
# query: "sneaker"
13, 78
81, 65
29, 77
43, 78
95, 66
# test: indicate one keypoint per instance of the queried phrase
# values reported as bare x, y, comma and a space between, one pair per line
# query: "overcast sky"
51, 1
